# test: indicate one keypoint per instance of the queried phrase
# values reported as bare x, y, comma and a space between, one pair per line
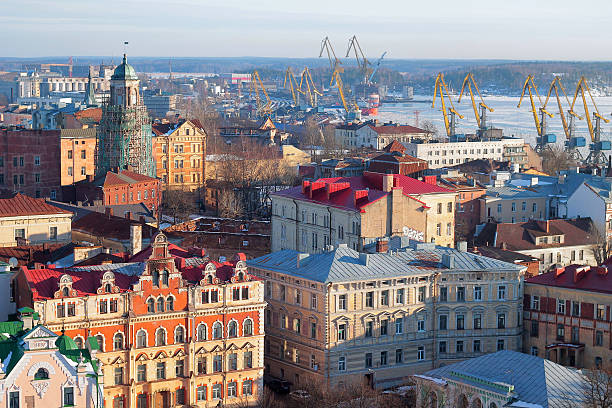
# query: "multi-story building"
593, 198
377, 136
567, 316
77, 154
357, 210
513, 204
343, 316
555, 243
263, 132
180, 152
160, 104
41, 368
29, 162
448, 154
469, 192
26, 220
125, 138
127, 187
398, 163
171, 329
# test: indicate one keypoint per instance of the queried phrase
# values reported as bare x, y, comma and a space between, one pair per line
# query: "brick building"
467, 214
127, 187
172, 328
567, 316
29, 162
179, 150
398, 163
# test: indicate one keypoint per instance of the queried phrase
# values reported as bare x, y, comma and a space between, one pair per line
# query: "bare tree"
601, 248
229, 204
431, 128
598, 388
555, 159
178, 204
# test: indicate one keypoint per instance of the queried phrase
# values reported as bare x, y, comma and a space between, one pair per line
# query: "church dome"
124, 71
64, 343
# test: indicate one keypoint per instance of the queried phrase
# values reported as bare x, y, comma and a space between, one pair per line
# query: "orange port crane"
311, 90
441, 88
293, 86
596, 155
255, 86
543, 139
481, 117
572, 142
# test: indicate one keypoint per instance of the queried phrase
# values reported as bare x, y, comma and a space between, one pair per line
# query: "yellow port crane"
596, 155
481, 117
362, 62
543, 139
572, 142
255, 86
351, 108
311, 91
441, 88
293, 86
334, 62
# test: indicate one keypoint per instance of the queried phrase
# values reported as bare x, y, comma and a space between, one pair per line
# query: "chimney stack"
387, 183
135, 238
108, 211
382, 245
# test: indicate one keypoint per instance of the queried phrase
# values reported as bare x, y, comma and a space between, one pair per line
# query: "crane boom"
362, 61
311, 90
581, 87
377, 66
441, 88
555, 86
256, 85
333, 62
532, 89
337, 80
295, 90
469, 81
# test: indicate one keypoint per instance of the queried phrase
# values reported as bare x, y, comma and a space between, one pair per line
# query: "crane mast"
481, 118
293, 86
441, 88
255, 86
311, 90
362, 61
543, 139
334, 62
596, 156
351, 108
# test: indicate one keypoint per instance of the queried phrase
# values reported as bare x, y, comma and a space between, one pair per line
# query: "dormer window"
165, 277
210, 275
155, 275
65, 287
107, 284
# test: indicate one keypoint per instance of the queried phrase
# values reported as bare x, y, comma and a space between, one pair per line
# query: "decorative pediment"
41, 364
201, 350
107, 284
39, 332
216, 349
142, 357
179, 353
210, 275
160, 355
118, 360
232, 347
247, 345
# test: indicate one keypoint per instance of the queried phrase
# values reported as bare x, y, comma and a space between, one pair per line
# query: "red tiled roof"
394, 146
125, 177
109, 227
595, 279
21, 205
396, 129
368, 187
94, 114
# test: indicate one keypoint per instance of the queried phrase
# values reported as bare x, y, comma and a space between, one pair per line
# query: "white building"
375, 135
449, 154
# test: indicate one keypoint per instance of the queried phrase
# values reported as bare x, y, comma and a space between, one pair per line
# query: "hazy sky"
510, 29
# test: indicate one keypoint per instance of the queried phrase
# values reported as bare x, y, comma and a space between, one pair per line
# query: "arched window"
160, 304
240, 276
160, 337
151, 306
179, 335
247, 328
118, 341
65, 291
141, 339
217, 330
202, 332
170, 303
107, 288
232, 329
41, 374
165, 276
100, 339
79, 342
155, 278
209, 279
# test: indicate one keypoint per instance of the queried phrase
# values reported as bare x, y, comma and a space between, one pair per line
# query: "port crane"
255, 86
544, 139
351, 108
572, 142
377, 66
481, 117
310, 90
441, 88
334, 62
293, 86
596, 155
362, 62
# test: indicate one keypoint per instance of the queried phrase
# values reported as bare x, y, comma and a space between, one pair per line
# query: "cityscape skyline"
198, 29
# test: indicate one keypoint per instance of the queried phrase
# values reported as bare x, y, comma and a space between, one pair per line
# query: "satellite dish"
13, 262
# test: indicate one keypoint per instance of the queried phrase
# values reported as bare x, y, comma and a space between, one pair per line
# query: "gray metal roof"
128, 268
343, 264
535, 380
513, 192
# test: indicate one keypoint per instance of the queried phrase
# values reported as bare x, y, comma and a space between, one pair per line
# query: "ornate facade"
172, 329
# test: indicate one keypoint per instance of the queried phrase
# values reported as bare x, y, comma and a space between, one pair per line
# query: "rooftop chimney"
300, 257
135, 238
448, 260
462, 246
382, 245
387, 182
128, 215
108, 211
364, 259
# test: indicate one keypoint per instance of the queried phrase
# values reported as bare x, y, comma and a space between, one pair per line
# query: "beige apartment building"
567, 316
343, 316
26, 220
512, 204
358, 210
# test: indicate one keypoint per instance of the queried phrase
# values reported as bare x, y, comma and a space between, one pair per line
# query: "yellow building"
343, 316
358, 210
26, 220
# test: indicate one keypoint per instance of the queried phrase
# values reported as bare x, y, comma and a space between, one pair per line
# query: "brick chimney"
387, 182
135, 238
108, 211
128, 215
382, 245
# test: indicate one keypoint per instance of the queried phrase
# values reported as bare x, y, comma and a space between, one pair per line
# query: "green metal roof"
124, 71
65, 343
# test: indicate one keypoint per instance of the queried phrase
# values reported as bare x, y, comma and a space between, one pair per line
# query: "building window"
421, 294
248, 359
201, 365
399, 325
201, 393
501, 292
477, 321
232, 329
70, 154
217, 364
501, 320
37, 160
141, 401
141, 373
443, 322
118, 375
141, 339
383, 358
501, 344
384, 327
460, 294
459, 346
119, 402
535, 303
439, 208
599, 338
575, 308
442, 347
216, 391
217, 330
561, 306
83, 171
421, 325
399, 296
449, 229
231, 389
342, 363
601, 312
513, 206
180, 396
421, 353
369, 329
384, 298
341, 332
118, 341
160, 337
460, 322
368, 360
560, 332
342, 302
161, 371
477, 293
70, 173
499, 208
369, 301
443, 294
313, 330
476, 346
247, 387
439, 229
247, 329
535, 326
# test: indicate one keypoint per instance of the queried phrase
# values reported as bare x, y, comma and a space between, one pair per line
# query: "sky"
459, 29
